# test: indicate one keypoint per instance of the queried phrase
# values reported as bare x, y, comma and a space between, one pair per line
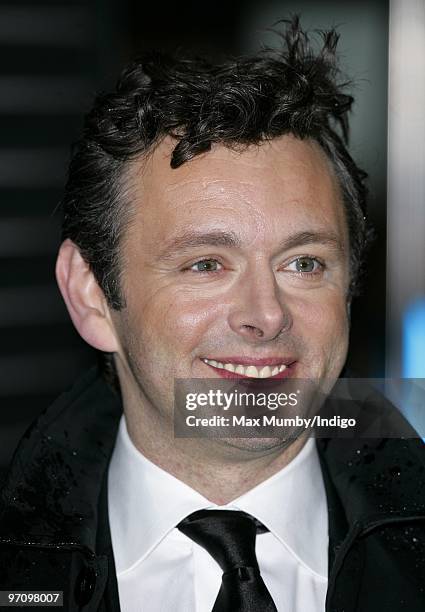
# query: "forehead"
283, 182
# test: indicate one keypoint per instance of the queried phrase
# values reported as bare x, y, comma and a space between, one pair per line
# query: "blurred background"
54, 56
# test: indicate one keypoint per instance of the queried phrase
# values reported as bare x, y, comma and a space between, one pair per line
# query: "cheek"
323, 323
175, 320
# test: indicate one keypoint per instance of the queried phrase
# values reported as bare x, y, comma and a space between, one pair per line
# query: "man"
214, 227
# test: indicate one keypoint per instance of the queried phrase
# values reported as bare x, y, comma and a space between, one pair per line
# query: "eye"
206, 265
305, 265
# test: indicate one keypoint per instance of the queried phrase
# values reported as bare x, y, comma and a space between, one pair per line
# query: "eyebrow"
313, 237
191, 240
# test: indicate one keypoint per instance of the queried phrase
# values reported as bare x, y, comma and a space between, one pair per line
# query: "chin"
258, 445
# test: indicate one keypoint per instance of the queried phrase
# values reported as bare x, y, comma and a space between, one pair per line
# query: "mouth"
244, 368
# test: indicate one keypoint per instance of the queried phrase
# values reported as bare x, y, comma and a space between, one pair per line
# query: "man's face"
235, 259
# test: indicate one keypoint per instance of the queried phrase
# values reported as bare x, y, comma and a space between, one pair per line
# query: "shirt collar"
144, 501
291, 504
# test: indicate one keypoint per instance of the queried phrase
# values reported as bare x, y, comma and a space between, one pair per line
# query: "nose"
259, 312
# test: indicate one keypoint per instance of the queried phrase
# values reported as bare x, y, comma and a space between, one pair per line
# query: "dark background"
54, 56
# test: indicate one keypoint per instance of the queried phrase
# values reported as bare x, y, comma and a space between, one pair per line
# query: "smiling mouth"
243, 370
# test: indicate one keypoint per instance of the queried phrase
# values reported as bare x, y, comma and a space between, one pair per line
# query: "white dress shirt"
159, 569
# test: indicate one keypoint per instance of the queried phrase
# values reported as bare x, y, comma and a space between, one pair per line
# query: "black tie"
229, 537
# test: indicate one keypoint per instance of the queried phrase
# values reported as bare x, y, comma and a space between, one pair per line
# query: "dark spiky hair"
239, 102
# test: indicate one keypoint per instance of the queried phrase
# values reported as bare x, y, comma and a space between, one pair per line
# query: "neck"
222, 469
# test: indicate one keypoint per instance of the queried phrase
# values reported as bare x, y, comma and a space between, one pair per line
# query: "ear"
84, 299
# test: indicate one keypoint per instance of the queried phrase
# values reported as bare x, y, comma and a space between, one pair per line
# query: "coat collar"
51, 495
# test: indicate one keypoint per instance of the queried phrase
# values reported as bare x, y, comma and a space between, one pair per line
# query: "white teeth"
251, 370
265, 372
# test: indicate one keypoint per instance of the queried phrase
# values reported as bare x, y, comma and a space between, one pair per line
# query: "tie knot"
228, 536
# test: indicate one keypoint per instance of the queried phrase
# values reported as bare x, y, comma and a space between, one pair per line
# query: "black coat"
54, 530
